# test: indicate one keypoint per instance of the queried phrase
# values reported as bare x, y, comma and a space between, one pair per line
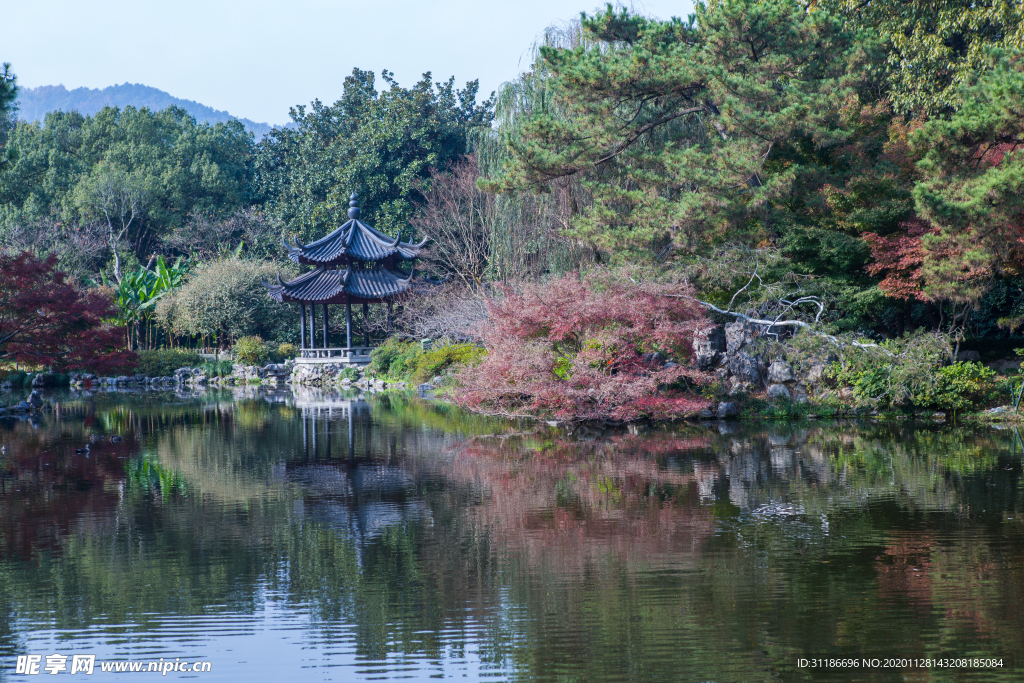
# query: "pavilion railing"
355, 354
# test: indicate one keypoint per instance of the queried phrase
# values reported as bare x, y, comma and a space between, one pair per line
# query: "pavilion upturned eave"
353, 241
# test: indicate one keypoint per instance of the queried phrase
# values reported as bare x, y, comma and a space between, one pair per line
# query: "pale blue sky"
255, 58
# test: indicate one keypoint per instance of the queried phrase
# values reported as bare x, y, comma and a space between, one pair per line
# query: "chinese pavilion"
355, 264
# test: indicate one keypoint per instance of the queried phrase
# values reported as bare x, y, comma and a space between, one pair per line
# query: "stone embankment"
729, 351
321, 375
339, 375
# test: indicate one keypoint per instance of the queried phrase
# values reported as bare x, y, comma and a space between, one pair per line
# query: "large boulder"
35, 400
968, 356
1006, 365
815, 372
778, 391
780, 372
709, 347
738, 335
745, 367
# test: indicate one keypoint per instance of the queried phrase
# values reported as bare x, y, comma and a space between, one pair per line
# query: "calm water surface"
320, 537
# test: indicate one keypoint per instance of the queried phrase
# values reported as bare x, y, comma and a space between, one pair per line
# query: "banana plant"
137, 293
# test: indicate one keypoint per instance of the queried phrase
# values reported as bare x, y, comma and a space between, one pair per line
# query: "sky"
257, 58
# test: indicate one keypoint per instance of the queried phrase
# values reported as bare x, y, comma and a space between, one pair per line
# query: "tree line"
861, 158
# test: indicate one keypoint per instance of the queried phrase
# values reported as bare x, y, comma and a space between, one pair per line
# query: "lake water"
321, 537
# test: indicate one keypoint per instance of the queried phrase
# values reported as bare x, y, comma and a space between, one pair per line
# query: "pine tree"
672, 125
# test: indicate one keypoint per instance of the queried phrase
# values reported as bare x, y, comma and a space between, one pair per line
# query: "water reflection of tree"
828, 539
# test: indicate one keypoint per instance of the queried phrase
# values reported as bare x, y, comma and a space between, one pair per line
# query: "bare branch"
786, 323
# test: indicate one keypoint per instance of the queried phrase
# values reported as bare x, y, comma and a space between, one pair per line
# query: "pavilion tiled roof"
334, 286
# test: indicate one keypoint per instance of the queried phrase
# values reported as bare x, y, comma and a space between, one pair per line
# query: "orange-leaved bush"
588, 348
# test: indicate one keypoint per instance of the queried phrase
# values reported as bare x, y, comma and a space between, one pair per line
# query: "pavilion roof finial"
353, 206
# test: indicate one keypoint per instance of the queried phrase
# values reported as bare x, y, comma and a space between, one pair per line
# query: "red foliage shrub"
581, 348
45, 320
900, 258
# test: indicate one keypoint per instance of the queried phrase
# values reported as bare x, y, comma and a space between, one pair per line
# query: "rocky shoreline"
272, 374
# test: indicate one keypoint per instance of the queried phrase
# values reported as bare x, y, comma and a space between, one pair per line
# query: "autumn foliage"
582, 348
923, 263
47, 321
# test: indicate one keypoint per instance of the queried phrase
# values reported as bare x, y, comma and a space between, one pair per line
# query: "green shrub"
349, 373
287, 351
15, 377
251, 351
902, 373
163, 362
394, 359
962, 385
226, 297
438, 359
407, 361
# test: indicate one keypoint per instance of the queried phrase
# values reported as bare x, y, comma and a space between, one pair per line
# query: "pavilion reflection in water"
352, 477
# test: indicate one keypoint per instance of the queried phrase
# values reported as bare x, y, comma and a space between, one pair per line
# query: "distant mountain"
34, 103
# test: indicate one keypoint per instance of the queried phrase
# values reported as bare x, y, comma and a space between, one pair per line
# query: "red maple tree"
47, 321
581, 348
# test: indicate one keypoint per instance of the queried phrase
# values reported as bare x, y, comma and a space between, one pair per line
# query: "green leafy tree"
65, 166
933, 47
378, 144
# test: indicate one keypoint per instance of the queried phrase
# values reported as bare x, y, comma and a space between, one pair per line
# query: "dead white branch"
789, 323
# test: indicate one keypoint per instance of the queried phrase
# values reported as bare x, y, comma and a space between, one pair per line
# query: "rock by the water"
779, 372
727, 409
778, 391
426, 386
35, 400
738, 335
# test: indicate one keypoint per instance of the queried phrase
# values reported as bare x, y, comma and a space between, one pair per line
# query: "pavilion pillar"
366, 324
348, 323
326, 345
302, 324
312, 325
